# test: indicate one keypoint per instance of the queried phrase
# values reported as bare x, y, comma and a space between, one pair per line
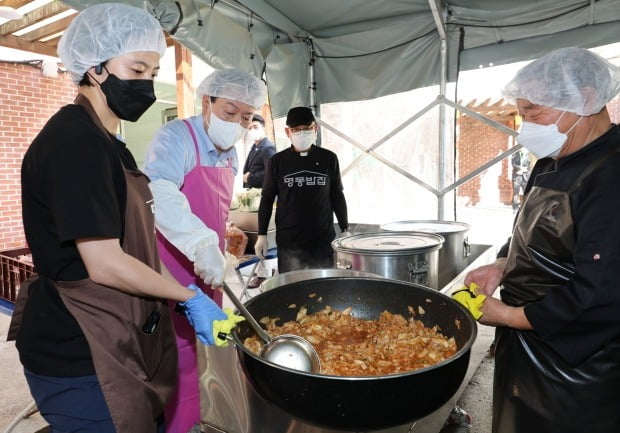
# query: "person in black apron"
93, 328
557, 358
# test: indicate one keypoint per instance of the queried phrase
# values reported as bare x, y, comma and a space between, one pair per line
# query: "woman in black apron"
92, 328
557, 358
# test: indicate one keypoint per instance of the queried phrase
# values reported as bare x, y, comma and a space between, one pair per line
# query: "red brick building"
478, 143
27, 100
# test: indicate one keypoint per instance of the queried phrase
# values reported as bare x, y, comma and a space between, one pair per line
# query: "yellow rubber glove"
469, 299
221, 328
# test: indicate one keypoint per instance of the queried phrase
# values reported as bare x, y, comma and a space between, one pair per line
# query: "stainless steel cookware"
406, 256
453, 256
359, 403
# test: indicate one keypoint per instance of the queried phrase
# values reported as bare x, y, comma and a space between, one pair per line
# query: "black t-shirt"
73, 187
309, 191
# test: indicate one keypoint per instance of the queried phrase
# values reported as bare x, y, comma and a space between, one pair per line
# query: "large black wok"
359, 403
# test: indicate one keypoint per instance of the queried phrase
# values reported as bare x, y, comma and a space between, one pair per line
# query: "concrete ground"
477, 398
14, 394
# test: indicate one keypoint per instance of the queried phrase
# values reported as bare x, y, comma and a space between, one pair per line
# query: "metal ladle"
287, 350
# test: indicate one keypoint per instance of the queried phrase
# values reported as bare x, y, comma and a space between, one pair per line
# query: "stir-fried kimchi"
349, 346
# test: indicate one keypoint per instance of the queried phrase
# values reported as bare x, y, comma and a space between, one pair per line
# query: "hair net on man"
236, 85
570, 79
108, 30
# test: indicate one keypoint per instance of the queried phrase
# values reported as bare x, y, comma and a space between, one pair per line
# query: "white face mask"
255, 135
543, 140
303, 140
224, 134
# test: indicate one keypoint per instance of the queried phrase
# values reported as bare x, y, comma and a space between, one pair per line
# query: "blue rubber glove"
201, 312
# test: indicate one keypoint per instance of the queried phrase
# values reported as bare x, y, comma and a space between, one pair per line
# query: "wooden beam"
50, 29
53, 42
46, 11
34, 47
14, 3
185, 89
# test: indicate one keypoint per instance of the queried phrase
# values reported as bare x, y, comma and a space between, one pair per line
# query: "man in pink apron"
192, 163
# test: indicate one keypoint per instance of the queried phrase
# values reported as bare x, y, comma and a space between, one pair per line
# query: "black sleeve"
339, 203
586, 308
269, 192
503, 251
255, 178
246, 164
82, 184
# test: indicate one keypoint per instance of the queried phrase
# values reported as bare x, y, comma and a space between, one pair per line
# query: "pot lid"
386, 242
426, 226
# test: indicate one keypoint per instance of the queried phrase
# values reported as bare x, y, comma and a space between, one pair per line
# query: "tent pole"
312, 85
443, 128
443, 133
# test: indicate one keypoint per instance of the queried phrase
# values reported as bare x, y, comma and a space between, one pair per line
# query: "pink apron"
209, 191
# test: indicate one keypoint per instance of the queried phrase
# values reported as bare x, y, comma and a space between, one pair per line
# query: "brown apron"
131, 338
535, 389
18, 307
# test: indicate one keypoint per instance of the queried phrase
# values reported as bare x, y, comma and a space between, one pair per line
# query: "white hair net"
236, 85
570, 79
108, 30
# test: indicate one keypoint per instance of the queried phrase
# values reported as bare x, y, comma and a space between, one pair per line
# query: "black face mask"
128, 99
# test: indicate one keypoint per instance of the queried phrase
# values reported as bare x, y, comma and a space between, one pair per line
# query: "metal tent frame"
322, 51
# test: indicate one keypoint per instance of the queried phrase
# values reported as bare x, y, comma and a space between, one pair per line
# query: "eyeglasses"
305, 131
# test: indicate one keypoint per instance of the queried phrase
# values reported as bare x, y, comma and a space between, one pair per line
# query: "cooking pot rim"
337, 244
462, 351
452, 224
291, 277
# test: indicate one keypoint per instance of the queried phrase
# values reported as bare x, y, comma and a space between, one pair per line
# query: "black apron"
535, 389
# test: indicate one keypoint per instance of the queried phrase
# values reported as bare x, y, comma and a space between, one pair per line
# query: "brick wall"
476, 144
27, 100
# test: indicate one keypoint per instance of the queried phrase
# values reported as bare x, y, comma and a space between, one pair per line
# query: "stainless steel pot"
410, 257
455, 251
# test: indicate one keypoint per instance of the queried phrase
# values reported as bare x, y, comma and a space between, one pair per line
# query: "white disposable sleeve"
175, 220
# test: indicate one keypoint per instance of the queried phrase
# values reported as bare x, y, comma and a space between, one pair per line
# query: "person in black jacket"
261, 152
306, 180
